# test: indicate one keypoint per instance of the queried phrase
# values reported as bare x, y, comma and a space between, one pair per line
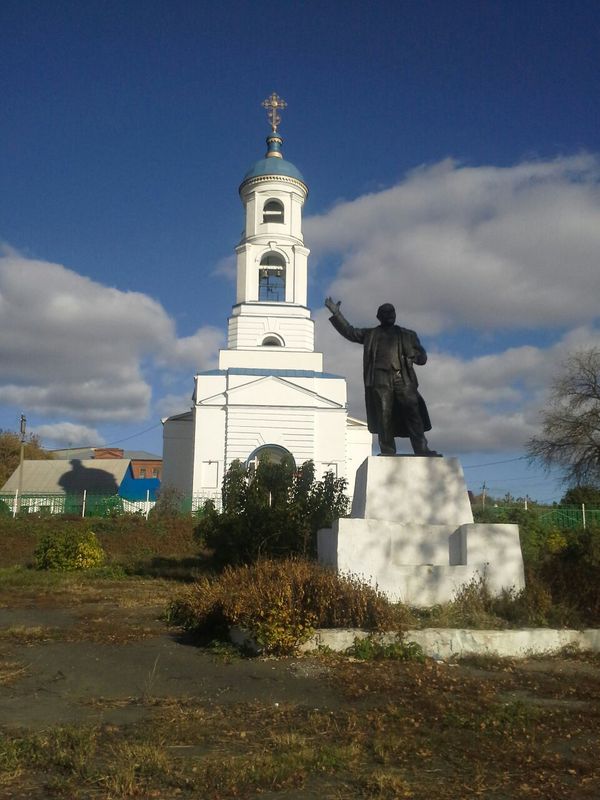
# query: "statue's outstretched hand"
333, 306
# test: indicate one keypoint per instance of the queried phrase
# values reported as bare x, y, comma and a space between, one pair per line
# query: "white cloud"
484, 247
226, 267
174, 404
68, 434
199, 350
71, 346
475, 249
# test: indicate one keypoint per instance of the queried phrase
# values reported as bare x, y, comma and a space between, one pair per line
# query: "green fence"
101, 505
78, 503
86, 504
555, 517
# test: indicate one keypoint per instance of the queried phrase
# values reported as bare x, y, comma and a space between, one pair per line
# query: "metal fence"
87, 504
555, 517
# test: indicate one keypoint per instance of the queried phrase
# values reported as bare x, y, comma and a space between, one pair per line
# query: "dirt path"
65, 669
179, 720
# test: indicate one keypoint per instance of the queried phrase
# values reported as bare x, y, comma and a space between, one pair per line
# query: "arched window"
272, 341
273, 211
274, 453
271, 279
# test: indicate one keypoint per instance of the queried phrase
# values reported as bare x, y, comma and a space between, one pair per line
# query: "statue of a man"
394, 406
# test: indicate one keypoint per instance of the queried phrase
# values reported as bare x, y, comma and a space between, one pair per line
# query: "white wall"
178, 452
209, 446
359, 446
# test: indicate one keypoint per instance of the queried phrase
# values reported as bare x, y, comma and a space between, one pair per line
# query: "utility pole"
21, 459
483, 490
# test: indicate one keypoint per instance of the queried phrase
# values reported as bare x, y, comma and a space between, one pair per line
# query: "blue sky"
451, 151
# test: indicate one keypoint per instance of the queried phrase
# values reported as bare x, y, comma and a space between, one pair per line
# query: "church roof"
274, 166
273, 163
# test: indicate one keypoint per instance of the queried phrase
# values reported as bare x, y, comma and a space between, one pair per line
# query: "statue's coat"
409, 349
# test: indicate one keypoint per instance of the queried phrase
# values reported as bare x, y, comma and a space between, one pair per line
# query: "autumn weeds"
396, 724
400, 729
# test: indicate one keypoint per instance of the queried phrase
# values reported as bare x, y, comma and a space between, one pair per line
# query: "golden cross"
273, 103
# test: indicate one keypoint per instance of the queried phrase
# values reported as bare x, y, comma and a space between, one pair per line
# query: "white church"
269, 395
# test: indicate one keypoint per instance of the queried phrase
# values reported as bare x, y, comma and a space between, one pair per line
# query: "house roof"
141, 455
66, 454
95, 475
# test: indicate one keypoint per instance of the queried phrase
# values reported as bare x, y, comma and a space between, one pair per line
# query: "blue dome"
273, 166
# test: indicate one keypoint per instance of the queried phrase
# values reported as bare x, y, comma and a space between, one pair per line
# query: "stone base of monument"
411, 533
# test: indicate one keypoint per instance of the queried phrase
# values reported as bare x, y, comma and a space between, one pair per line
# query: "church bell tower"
272, 266
269, 396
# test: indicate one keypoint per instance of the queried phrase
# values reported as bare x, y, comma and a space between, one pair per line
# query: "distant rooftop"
67, 453
94, 475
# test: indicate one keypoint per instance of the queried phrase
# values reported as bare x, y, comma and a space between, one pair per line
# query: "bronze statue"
394, 406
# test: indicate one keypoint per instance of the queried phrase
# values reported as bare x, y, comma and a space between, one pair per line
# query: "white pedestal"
411, 489
411, 533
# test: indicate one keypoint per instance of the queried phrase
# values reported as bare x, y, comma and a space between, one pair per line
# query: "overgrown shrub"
531, 606
474, 606
570, 569
280, 603
471, 607
170, 503
69, 550
274, 512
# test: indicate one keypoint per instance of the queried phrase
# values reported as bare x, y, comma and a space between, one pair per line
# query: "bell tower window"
272, 341
273, 211
271, 279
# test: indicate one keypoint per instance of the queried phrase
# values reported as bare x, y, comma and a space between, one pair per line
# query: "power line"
133, 435
493, 463
535, 480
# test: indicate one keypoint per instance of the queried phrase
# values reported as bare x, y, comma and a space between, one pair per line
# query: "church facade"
269, 396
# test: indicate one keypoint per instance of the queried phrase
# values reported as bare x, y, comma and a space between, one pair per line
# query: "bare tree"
570, 437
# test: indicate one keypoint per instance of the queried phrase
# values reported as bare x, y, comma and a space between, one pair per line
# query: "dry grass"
11, 671
489, 728
27, 634
20, 586
399, 730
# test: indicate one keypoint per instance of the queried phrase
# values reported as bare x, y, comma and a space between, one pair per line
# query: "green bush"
372, 648
280, 603
170, 503
273, 512
109, 506
69, 550
570, 569
576, 495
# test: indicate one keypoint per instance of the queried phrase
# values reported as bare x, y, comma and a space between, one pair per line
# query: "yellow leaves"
280, 603
556, 542
69, 550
